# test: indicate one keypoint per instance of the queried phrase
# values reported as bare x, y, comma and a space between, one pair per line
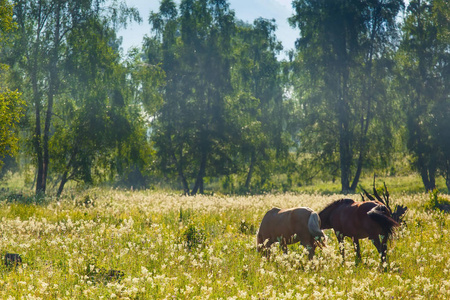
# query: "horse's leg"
266, 248
283, 245
376, 242
381, 247
340, 238
311, 249
384, 241
357, 250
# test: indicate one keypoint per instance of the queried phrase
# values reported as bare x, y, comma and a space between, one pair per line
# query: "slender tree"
11, 103
341, 45
89, 122
191, 130
39, 51
257, 80
169, 136
423, 61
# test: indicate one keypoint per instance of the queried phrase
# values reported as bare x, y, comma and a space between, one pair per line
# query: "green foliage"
437, 202
222, 110
207, 104
86, 201
194, 237
341, 74
257, 110
6, 18
423, 81
246, 228
190, 133
96, 274
11, 110
20, 198
11, 102
68, 56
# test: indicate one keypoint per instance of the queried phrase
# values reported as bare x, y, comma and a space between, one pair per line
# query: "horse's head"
399, 210
381, 208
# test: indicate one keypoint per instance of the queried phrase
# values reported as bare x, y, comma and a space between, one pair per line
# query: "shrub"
193, 236
436, 202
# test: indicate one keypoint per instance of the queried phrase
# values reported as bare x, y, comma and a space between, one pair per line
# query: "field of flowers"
112, 244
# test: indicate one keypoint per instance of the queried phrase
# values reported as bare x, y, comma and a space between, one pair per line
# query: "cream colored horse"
289, 226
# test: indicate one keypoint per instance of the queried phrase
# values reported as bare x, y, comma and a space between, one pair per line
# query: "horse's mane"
339, 202
324, 214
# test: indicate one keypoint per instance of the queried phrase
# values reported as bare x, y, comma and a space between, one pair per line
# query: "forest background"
207, 105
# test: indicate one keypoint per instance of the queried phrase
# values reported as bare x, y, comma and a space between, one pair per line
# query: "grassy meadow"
116, 244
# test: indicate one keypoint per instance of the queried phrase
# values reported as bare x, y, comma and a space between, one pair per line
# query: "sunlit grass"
171, 246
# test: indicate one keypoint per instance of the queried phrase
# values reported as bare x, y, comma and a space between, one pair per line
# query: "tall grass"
150, 245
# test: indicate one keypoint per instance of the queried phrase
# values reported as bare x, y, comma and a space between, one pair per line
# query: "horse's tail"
379, 215
314, 228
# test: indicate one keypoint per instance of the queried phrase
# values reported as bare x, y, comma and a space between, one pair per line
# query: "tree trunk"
250, 171
362, 147
52, 90
178, 163
344, 163
344, 133
432, 170
447, 181
428, 180
201, 173
202, 191
40, 186
64, 180
367, 91
427, 173
46, 158
179, 167
358, 172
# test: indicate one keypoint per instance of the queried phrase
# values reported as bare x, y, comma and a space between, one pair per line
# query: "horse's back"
330, 216
281, 215
283, 223
352, 220
299, 217
288, 217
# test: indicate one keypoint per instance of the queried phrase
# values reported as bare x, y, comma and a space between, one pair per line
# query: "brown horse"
289, 226
359, 220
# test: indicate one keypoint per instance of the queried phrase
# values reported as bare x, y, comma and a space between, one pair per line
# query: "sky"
246, 10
